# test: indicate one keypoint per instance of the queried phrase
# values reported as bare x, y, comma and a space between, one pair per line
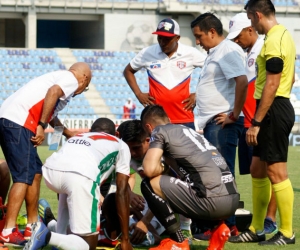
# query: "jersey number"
204, 145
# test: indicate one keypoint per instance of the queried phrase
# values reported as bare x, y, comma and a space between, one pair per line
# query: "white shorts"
83, 196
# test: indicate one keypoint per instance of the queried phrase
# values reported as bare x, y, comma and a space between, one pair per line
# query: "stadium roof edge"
101, 7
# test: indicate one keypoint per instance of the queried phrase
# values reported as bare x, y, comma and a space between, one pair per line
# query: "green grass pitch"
244, 186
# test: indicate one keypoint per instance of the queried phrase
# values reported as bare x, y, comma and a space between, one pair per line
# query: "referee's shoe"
279, 239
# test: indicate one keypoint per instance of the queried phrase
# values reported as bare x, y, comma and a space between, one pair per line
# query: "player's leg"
41, 237
20, 156
4, 180
245, 153
270, 225
281, 121
109, 213
51, 178
31, 199
63, 217
33, 191
163, 212
83, 203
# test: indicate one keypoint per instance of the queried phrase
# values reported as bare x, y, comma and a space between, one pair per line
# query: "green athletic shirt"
278, 43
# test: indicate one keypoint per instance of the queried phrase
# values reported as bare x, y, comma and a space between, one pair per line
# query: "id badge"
55, 139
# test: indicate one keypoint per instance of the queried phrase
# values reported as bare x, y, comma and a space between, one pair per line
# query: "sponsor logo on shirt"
155, 66
181, 64
79, 141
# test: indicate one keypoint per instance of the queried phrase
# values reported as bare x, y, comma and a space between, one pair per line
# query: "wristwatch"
231, 117
43, 125
255, 123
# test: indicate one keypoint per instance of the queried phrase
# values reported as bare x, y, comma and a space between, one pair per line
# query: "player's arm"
142, 227
241, 89
52, 95
122, 202
144, 98
152, 162
131, 181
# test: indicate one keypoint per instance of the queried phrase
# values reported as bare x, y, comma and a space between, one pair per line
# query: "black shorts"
184, 200
273, 136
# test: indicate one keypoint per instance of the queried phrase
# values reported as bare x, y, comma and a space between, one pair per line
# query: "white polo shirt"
169, 78
25, 106
93, 155
215, 91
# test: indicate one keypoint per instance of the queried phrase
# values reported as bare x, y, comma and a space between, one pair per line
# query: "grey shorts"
184, 200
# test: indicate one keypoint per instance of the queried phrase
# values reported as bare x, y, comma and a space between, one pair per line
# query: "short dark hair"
134, 132
208, 21
104, 125
266, 7
121, 127
153, 111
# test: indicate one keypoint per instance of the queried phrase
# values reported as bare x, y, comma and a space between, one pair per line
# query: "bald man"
23, 118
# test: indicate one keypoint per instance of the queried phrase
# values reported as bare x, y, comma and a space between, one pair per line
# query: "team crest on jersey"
155, 66
181, 64
230, 24
250, 62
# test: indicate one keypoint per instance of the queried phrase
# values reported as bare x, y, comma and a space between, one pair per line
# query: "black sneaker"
247, 236
279, 239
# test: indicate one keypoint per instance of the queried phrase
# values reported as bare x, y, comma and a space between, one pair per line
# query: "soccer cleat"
39, 237
203, 236
27, 233
247, 236
219, 237
168, 244
2, 247
279, 239
45, 212
270, 227
187, 235
14, 239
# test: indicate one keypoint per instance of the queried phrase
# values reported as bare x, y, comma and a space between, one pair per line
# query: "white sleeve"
138, 61
123, 159
232, 64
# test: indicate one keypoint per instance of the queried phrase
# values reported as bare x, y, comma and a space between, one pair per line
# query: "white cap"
237, 24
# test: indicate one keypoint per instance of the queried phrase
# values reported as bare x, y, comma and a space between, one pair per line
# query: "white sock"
52, 226
68, 242
7, 231
185, 223
29, 225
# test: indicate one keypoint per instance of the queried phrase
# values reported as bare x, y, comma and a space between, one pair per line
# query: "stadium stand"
18, 66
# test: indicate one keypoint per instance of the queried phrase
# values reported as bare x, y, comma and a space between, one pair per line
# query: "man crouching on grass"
76, 171
205, 189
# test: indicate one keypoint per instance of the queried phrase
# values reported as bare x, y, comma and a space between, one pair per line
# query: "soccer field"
244, 186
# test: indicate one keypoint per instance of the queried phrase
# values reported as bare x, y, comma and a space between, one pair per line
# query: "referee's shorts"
273, 136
